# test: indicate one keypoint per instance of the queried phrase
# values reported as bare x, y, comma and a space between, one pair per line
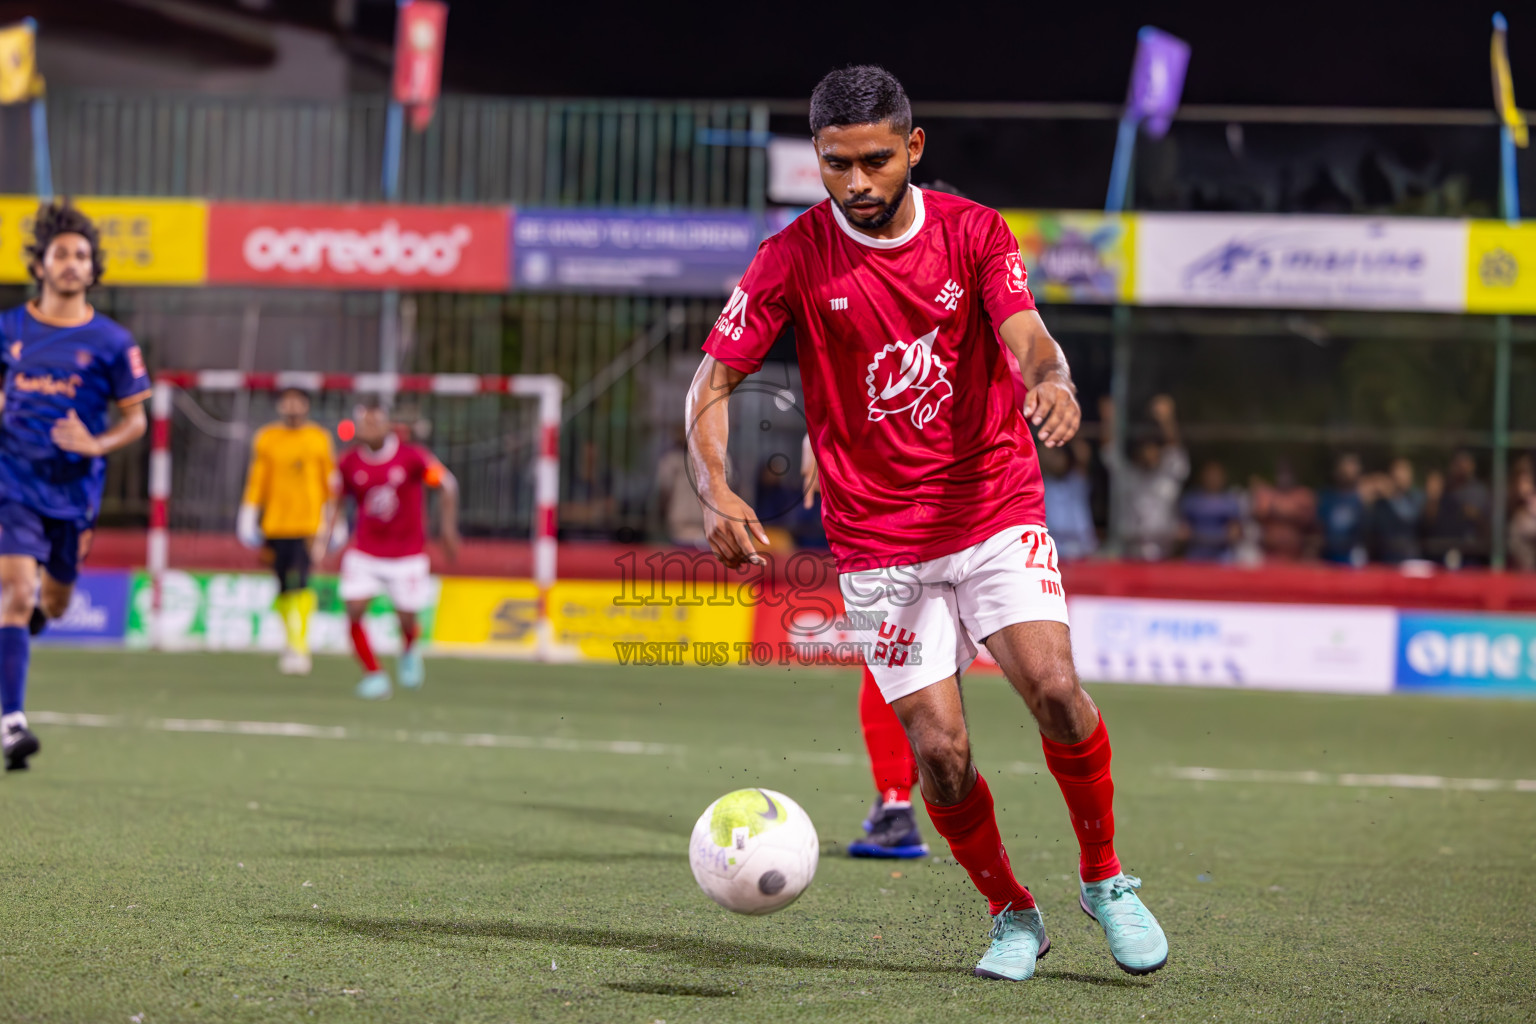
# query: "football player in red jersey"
931, 490
385, 476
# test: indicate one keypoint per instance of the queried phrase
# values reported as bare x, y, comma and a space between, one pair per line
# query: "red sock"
1082, 772
363, 647
890, 752
408, 635
970, 827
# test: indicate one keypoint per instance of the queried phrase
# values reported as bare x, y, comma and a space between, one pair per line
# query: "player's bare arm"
71, 435
729, 523
1051, 406
450, 538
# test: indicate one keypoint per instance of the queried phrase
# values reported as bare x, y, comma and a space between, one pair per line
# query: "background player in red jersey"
385, 477
931, 490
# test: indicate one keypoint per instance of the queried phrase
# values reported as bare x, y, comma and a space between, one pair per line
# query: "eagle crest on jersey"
916, 381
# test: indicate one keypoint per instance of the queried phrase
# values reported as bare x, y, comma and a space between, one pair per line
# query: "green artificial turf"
393, 870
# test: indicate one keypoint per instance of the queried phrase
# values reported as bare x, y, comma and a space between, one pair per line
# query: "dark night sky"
1408, 53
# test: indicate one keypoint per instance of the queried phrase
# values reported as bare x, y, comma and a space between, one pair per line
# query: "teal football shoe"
409, 669
375, 686
1018, 942
1136, 940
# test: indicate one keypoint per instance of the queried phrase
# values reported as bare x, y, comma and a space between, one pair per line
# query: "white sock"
14, 720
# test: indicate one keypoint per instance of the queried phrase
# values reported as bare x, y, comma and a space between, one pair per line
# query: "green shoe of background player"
375, 686
1136, 940
409, 669
1018, 941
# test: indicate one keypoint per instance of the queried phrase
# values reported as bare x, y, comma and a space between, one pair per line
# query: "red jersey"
909, 396
391, 506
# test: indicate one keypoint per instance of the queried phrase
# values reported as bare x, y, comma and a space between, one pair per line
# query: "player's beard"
65, 288
886, 212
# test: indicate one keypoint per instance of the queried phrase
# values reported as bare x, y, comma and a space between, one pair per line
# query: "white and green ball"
754, 851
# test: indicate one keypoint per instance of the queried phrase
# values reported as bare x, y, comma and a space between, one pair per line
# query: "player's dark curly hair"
60, 217
860, 94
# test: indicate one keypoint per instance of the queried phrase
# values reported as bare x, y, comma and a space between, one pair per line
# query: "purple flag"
1157, 79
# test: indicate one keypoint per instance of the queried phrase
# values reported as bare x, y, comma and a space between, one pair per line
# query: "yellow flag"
1504, 86
19, 80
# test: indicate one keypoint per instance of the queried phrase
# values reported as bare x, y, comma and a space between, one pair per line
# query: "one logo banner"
1302, 262
1441, 650
97, 612
143, 241
628, 251
448, 248
1076, 257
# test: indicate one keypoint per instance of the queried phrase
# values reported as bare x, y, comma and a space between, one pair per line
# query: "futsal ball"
754, 851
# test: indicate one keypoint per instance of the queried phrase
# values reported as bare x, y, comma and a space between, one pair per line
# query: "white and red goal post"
546, 389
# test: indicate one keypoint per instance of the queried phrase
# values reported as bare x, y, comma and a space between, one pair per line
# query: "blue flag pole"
1120, 170
1509, 182
42, 161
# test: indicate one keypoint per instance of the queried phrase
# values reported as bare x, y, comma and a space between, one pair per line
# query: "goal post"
545, 390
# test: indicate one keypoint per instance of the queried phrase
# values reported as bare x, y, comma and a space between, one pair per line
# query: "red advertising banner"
419, 57
426, 248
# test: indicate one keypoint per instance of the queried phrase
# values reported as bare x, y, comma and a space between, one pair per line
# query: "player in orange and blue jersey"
65, 367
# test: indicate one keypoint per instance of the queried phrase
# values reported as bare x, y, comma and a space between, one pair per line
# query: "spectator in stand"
1341, 512
679, 501
1396, 515
1213, 517
1146, 489
1287, 516
1457, 511
1067, 512
1522, 516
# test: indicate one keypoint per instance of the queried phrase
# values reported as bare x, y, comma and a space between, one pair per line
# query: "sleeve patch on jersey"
136, 362
1018, 277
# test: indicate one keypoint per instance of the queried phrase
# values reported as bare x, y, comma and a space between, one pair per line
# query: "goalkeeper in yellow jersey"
287, 496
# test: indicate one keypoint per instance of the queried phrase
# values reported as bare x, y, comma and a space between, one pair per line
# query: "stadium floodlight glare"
546, 389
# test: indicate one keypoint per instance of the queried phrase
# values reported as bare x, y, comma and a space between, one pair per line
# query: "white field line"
556, 743
339, 732
1353, 779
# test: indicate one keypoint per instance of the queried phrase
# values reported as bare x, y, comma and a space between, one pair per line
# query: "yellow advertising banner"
499, 616
143, 241
1501, 267
1076, 256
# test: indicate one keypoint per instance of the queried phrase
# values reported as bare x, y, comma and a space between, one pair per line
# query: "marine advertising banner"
1302, 262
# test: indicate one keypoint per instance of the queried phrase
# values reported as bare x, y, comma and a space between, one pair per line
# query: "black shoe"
18, 744
892, 834
38, 623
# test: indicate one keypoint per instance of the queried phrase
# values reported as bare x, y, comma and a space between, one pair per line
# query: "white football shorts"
916, 622
407, 581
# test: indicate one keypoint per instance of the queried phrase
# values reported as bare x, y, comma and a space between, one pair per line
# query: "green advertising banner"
216, 611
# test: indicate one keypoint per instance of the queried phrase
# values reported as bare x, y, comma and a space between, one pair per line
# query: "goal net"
499, 435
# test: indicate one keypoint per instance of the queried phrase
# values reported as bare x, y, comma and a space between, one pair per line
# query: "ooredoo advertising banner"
439, 248
1302, 262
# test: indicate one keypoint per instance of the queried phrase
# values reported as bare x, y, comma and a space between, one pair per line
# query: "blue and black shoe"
890, 833
17, 743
